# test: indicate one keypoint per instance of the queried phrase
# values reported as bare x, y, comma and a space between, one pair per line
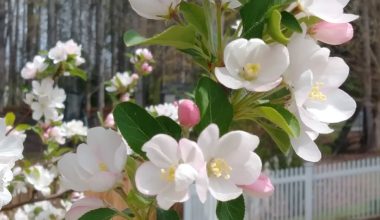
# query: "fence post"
309, 191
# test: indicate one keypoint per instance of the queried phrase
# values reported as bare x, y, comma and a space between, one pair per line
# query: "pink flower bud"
125, 97
110, 121
82, 206
135, 76
261, 188
146, 68
188, 113
333, 34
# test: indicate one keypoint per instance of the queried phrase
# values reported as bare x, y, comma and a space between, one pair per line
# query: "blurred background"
30, 26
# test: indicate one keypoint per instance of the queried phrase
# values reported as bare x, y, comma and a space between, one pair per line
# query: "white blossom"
167, 109
31, 69
248, 65
41, 178
74, 128
171, 169
230, 163
154, 9
96, 166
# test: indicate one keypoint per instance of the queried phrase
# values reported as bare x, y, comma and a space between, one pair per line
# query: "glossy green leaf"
279, 116
253, 16
279, 137
180, 37
171, 127
274, 28
136, 125
290, 21
10, 119
167, 215
99, 214
214, 105
195, 16
231, 210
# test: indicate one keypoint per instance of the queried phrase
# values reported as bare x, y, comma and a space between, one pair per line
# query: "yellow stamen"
250, 71
219, 168
168, 174
103, 167
316, 94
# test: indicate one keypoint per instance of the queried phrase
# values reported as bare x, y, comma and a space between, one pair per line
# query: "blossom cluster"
68, 53
143, 61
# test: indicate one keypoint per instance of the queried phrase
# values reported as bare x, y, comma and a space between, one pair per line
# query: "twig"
49, 198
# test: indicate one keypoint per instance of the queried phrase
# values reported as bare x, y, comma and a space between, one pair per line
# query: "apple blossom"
146, 68
31, 69
74, 128
40, 178
261, 188
248, 65
125, 97
172, 168
188, 113
56, 134
40, 211
328, 10
62, 50
82, 206
11, 148
231, 162
144, 53
167, 109
154, 9
97, 165
58, 53
121, 82
333, 34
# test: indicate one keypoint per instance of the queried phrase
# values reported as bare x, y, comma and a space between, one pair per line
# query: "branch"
49, 198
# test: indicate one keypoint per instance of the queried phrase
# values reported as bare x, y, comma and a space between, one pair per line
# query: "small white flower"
74, 128
314, 79
72, 48
172, 168
248, 66
11, 147
40, 178
154, 9
230, 163
42, 211
31, 69
145, 53
167, 109
121, 82
97, 165
328, 10
58, 53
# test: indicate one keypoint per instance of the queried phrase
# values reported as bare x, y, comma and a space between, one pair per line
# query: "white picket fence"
346, 190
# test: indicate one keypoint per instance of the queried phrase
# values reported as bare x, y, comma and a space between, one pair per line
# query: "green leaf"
231, 210
290, 21
138, 200
99, 214
23, 127
75, 71
10, 119
167, 215
210, 98
280, 138
176, 36
274, 28
253, 16
279, 116
171, 127
195, 16
136, 125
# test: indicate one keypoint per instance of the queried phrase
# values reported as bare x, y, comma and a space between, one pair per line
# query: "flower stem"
219, 15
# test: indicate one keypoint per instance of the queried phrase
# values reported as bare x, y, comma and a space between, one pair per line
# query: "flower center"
168, 174
103, 167
316, 94
250, 71
219, 168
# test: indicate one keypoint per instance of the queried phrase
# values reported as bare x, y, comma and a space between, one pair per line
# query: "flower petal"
162, 150
338, 107
229, 80
185, 175
306, 148
191, 153
248, 172
224, 190
149, 180
208, 140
